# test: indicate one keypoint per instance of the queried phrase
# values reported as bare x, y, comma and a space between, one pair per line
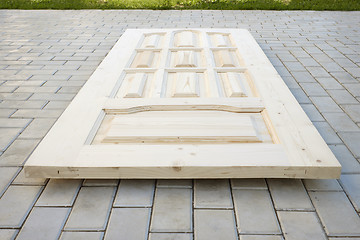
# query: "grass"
343, 5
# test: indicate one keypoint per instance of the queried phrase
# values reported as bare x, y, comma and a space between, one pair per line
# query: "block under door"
184, 103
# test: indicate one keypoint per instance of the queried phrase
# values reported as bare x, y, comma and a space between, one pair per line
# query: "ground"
45, 58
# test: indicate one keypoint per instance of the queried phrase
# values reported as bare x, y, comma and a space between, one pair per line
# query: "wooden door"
189, 103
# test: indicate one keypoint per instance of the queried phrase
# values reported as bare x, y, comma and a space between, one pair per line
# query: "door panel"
194, 103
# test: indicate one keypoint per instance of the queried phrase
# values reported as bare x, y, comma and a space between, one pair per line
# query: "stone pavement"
45, 58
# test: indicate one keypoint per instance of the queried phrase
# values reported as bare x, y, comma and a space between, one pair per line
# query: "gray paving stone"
352, 141
135, 193
343, 77
91, 209
37, 113
353, 111
214, 224
318, 72
325, 104
7, 112
171, 236
172, 210
261, 237
174, 183
289, 194
8, 234
7, 174
129, 223
348, 163
16, 203
329, 83
354, 89
52, 96
247, 183
327, 133
82, 236
351, 184
341, 122
212, 193
100, 182
37, 128
254, 212
14, 123
57, 105
22, 180
313, 89
59, 192
7, 136
301, 225
311, 111
44, 223
322, 185
22, 104
342, 97
336, 213
300, 95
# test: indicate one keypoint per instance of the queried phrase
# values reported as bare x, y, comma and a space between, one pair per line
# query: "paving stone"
318, 72
214, 224
336, 213
300, 95
44, 223
327, 133
171, 236
16, 203
14, 123
313, 89
289, 194
341, 122
135, 193
174, 183
342, 97
301, 225
329, 83
7, 174
212, 193
82, 236
325, 104
59, 192
37, 128
22, 180
354, 89
22, 104
57, 105
322, 185
100, 182
294, 66
352, 141
311, 111
261, 237
353, 111
7, 112
7, 234
91, 209
38, 113
172, 210
17, 153
254, 212
351, 184
343, 77
308, 62
52, 96
353, 238
348, 163
247, 183
129, 223
7, 136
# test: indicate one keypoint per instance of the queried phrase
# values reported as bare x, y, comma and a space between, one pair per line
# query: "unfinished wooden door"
189, 103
